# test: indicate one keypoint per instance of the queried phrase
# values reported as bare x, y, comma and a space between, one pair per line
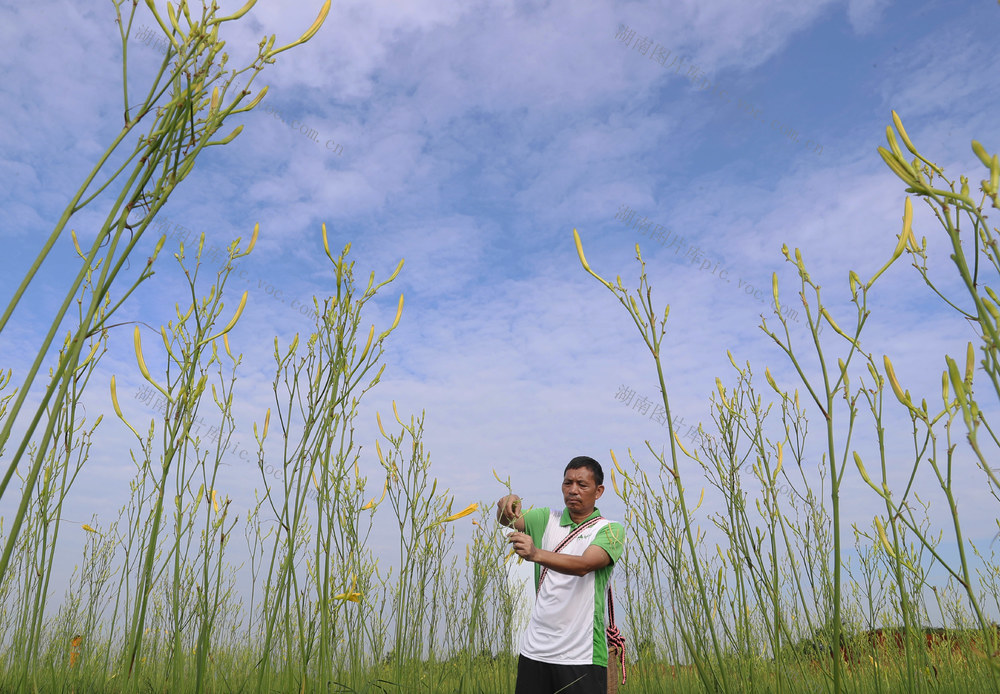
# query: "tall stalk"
74, 436
190, 348
184, 122
321, 389
652, 328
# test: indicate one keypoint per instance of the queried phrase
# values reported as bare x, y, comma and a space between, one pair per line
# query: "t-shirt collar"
566, 520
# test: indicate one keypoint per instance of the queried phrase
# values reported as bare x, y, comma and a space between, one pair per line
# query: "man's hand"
523, 545
509, 511
592, 559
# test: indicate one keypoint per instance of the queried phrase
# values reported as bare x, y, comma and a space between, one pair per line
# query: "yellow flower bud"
76, 244
240, 12
253, 242
371, 336
118, 409
256, 100
970, 364
615, 461
137, 342
681, 445
829, 319
224, 141
960, 390
902, 133
583, 261
114, 397
980, 152
861, 469
891, 137
635, 308
906, 239
883, 538
232, 321
770, 380
956, 380
898, 166
311, 31
876, 379
399, 309
907, 227
173, 19
891, 375
93, 350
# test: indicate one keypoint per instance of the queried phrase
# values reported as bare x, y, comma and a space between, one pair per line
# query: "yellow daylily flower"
373, 503
353, 595
471, 508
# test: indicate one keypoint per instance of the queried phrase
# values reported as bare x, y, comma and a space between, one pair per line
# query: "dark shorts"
534, 677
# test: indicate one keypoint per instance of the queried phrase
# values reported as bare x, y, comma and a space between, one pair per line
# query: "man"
564, 648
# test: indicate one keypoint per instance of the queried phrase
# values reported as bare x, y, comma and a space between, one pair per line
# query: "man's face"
580, 493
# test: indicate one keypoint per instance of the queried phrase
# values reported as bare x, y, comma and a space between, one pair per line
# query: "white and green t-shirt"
568, 619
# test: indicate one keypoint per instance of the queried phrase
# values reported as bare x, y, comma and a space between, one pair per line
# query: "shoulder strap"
614, 637
566, 540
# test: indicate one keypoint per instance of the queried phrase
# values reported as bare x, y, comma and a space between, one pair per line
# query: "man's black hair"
589, 463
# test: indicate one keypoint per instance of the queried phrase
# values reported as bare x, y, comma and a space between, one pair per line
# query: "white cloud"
476, 137
865, 14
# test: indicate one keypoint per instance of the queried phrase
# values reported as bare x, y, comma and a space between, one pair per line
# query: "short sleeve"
535, 521
611, 538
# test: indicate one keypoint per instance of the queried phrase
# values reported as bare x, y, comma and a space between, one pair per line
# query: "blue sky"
471, 138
